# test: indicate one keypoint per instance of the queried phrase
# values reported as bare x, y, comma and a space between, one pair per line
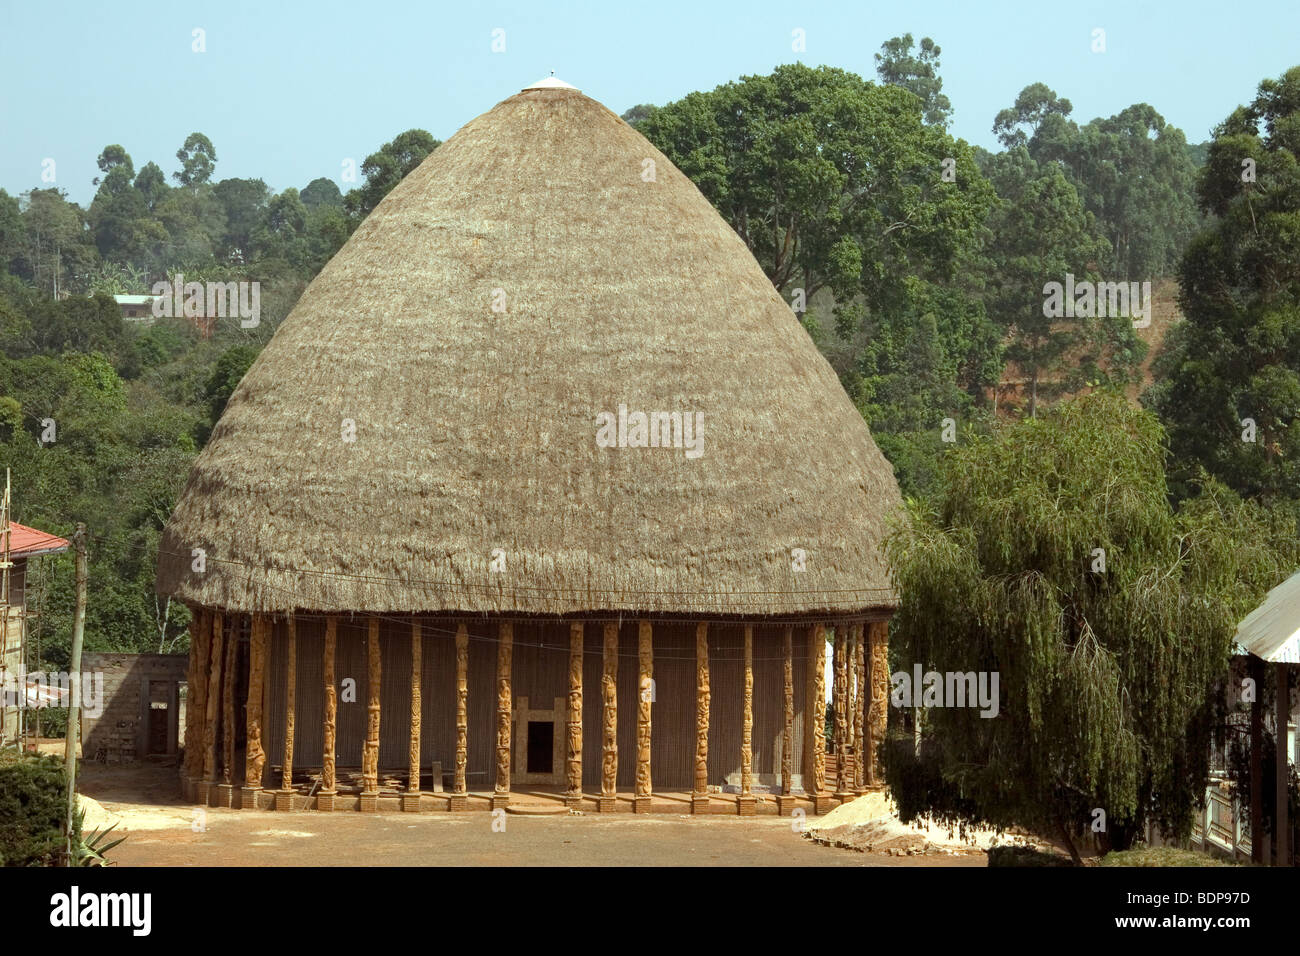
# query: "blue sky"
287, 91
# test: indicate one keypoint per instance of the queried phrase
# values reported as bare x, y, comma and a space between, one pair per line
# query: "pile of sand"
97, 817
871, 824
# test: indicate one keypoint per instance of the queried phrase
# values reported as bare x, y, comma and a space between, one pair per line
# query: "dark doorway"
541, 743
159, 716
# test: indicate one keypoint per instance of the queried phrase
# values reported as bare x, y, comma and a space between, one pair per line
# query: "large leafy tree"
198, 160
1236, 357
386, 168
1107, 672
918, 72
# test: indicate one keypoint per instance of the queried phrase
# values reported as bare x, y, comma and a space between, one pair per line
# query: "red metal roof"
25, 542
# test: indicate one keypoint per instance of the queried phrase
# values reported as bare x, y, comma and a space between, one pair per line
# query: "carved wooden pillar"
860, 755
785, 802
411, 798
325, 798
645, 696
841, 694
254, 755
459, 796
700, 795
609, 721
227, 786
573, 797
878, 682
505, 713
284, 798
817, 786
215, 656
196, 707
746, 803
370, 750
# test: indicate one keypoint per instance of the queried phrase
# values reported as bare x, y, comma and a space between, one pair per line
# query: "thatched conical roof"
476, 429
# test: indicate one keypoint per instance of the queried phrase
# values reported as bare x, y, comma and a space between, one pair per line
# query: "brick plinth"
823, 803
785, 804
284, 799
411, 802
573, 801
369, 801
457, 802
746, 806
248, 797
500, 801
325, 800
700, 803
605, 804
640, 804
226, 796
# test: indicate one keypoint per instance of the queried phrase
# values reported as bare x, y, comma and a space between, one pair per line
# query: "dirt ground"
161, 831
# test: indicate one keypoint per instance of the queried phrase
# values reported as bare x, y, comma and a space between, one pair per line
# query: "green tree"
321, 192
1052, 557
198, 159
388, 167
1228, 385
917, 72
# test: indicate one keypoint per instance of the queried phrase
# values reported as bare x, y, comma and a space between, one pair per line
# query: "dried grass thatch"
476, 430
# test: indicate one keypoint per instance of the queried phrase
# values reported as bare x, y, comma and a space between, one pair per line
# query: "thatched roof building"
543, 385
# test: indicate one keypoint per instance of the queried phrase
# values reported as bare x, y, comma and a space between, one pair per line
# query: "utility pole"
74, 681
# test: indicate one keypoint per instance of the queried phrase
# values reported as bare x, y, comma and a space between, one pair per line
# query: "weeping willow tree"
1051, 555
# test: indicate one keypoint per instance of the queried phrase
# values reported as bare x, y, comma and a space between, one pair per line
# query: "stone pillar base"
845, 796
369, 801
605, 804
325, 800
500, 800
746, 806
573, 801
822, 802
458, 801
226, 795
700, 803
411, 802
785, 804
641, 804
248, 797
284, 799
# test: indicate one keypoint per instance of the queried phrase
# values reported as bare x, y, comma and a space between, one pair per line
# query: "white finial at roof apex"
551, 83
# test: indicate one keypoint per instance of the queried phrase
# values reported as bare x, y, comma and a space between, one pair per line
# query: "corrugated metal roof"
1272, 630
25, 542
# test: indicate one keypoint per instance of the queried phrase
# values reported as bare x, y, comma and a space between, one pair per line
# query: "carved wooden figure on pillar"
197, 707
573, 762
459, 799
746, 802
284, 796
860, 756
411, 798
645, 697
226, 789
841, 692
505, 714
370, 750
785, 802
700, 794
325, 798
609, 721
879, 685
822, 800
254, 755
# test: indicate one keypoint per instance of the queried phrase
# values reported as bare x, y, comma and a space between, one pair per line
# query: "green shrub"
33, 799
